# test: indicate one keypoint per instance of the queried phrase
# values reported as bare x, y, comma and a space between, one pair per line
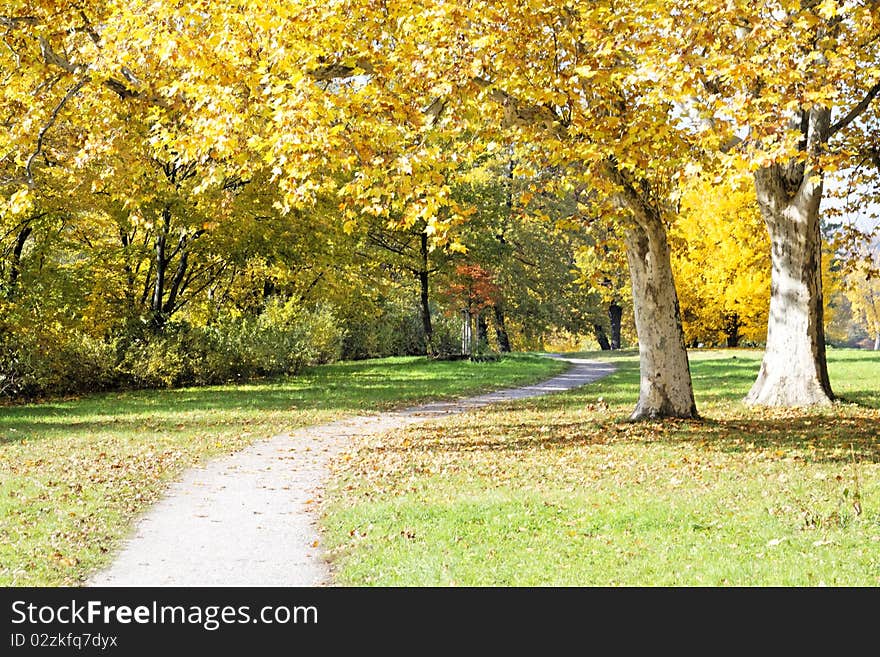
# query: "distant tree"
722, 263
862, 288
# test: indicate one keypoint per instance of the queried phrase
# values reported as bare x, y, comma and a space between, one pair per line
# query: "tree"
580, 108
603, 271
565, 77
780, 87
721, 263
862, 288
470, 291
410, 250
529, 240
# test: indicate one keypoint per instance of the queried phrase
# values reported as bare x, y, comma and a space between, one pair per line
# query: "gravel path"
248, 519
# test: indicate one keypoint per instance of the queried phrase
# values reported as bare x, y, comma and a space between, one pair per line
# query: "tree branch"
517, 112
120, 88
330, 72
855, 111
93, 34
11, 22
52, 118
315, 281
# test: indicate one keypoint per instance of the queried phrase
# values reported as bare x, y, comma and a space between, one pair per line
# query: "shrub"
282, 340
397, 331
174, 357
45, 357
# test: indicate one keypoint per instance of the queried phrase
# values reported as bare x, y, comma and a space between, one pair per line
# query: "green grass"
563, 491
74, 473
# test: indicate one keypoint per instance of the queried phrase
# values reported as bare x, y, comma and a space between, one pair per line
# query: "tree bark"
601, 338
170, 304
731, 330
15, 265
161, 261
501, 330
615, 317
877, 342
424, 297
665, 388
482, 329
793, 371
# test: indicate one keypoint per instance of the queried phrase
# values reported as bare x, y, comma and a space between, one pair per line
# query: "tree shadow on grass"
866, 397
819, 438
724, 379
830, 435
808, 437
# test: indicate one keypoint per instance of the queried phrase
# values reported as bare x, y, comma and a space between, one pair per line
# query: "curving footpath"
249, 519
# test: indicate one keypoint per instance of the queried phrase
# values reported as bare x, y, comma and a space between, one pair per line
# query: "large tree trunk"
501, 330
665, 389
793, 371
877, 342
615, 318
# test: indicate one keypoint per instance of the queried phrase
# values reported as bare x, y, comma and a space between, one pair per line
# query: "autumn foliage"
158, 156
721, 259
471, 288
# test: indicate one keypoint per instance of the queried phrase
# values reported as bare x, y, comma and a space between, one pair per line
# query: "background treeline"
190, 288
194, 194
185, 289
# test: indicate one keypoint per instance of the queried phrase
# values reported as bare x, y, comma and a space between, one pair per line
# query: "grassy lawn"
563, 491
74, 473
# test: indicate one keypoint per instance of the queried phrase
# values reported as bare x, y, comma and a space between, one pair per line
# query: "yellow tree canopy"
721, 261
862, 288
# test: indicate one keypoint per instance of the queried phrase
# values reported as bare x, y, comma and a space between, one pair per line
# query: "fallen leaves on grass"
743, 482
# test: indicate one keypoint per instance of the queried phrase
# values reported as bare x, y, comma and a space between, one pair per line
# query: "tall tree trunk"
425, 298
731, 330
161, 261
601, 338
793, 371
615, 317
665, 389
159, 283
170, 304
15, 265
482, 329
877, 342
501, 329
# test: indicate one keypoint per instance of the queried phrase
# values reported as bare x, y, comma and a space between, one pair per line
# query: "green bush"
447, 334
174, 357
45, 357
388, 328
282, 340
396, 330
288, 337
48, 358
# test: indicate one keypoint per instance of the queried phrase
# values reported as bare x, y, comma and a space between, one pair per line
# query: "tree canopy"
166, 163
